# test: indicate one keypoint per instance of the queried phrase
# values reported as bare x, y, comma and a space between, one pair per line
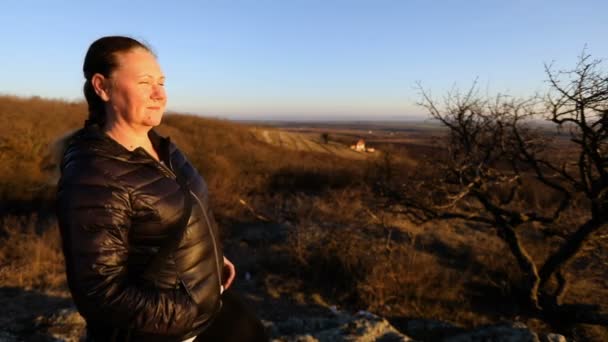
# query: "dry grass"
342, 247
397, 268
27, 129
28, 259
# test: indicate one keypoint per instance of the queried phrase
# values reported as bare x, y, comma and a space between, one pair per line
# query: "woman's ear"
101, 85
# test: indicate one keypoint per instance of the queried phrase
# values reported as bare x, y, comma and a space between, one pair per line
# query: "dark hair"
101, 59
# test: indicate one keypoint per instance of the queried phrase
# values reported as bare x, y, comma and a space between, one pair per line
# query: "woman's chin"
153, 120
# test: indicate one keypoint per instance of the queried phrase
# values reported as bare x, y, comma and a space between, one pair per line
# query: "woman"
143, 259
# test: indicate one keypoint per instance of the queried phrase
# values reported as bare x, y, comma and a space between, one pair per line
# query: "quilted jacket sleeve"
94, 216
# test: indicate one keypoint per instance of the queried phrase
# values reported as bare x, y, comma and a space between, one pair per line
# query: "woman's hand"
228, 273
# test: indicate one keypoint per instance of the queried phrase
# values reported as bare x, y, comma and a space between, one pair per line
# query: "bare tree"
579, 102
496, 158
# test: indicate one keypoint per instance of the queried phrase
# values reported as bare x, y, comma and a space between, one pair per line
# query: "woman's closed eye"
162, 84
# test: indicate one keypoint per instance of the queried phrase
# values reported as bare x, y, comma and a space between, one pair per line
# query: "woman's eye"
144, 82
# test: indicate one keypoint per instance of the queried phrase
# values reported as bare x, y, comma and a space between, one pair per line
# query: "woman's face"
137, 89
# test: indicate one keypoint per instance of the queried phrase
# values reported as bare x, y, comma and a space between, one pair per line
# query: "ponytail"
97, 112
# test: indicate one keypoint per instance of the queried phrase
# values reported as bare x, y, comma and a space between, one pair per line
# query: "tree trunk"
525, 262
568, 250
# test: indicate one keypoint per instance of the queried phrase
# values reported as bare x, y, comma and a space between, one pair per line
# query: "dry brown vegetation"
28, 259
341, 240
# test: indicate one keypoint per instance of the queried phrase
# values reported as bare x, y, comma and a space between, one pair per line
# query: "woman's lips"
153, 108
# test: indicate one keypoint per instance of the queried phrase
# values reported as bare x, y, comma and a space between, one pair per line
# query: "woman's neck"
130, 137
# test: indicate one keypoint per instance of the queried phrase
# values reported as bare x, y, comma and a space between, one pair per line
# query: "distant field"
307, 142
409, 141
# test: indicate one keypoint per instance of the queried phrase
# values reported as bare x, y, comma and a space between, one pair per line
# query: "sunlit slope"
308, 143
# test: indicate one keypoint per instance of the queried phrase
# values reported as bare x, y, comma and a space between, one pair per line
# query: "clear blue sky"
304, 58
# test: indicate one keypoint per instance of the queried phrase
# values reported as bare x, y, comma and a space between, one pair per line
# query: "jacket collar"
91, 139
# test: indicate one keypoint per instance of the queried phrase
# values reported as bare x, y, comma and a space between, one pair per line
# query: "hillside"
306, 143
309, 224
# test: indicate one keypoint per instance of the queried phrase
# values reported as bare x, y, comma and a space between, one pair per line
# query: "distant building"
360, 147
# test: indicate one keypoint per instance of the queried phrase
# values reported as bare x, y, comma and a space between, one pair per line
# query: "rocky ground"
29, 315
55, 319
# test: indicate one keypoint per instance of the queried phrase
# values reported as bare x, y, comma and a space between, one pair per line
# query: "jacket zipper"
213, 241
217, 263
215, 252
167, 169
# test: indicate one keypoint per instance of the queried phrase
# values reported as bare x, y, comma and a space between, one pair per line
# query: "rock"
552, 337
334, 310
429, 329
363, 326
294, 325
64, 325
304, 338
7, 337
505, 332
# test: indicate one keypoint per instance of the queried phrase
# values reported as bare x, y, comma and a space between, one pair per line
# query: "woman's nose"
158, 92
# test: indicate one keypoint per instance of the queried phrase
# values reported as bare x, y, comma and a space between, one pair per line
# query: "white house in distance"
360, 147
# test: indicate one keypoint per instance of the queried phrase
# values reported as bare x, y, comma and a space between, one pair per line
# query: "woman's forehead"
138, 61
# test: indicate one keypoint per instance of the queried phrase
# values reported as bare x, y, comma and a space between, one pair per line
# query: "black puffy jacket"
115, 209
